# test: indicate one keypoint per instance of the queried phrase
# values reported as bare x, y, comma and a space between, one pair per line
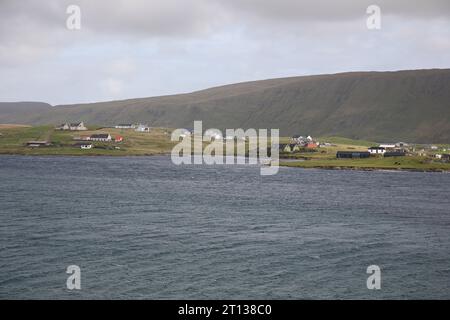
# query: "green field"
325, 158
395, 163
346, 141
13, 141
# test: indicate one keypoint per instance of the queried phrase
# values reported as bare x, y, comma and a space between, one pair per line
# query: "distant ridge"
413, 106
22, 112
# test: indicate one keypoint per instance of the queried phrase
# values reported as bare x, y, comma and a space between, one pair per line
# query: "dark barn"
352, 154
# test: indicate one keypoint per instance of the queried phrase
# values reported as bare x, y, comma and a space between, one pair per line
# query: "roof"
76, 124
377, 148
353, 152
388, 144
101, 136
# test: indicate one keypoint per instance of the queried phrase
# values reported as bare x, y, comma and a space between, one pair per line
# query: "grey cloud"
132, 48
196, 17
326, 10
153, 18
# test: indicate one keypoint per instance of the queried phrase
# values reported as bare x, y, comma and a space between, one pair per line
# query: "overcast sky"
142, 48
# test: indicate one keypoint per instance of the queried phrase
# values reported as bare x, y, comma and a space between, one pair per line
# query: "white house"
388, 145
79, 126
142, 128
185, 133
84, 145
213, 134
235, 138
64, 126
125, 126
377, 150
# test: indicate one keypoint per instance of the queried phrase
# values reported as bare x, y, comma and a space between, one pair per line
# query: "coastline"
287, 164
442, 168
352, 168
84, 155
158, 143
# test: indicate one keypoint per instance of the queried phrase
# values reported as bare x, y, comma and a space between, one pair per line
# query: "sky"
141, 48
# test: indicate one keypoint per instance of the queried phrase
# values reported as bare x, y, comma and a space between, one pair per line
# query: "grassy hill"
22, 112
412, 106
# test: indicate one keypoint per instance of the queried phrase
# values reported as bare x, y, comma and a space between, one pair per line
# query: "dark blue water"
144, 228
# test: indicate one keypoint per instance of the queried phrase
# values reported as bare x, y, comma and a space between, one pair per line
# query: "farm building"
103, 137
308, 142
37, 144
388, 146
125, 126
377, 150
443, 156
82, 138
352, 154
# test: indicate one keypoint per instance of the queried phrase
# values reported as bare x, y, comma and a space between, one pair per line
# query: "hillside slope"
381, 106
22, 112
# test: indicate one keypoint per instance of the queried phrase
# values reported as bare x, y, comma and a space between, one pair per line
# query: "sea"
145, 228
